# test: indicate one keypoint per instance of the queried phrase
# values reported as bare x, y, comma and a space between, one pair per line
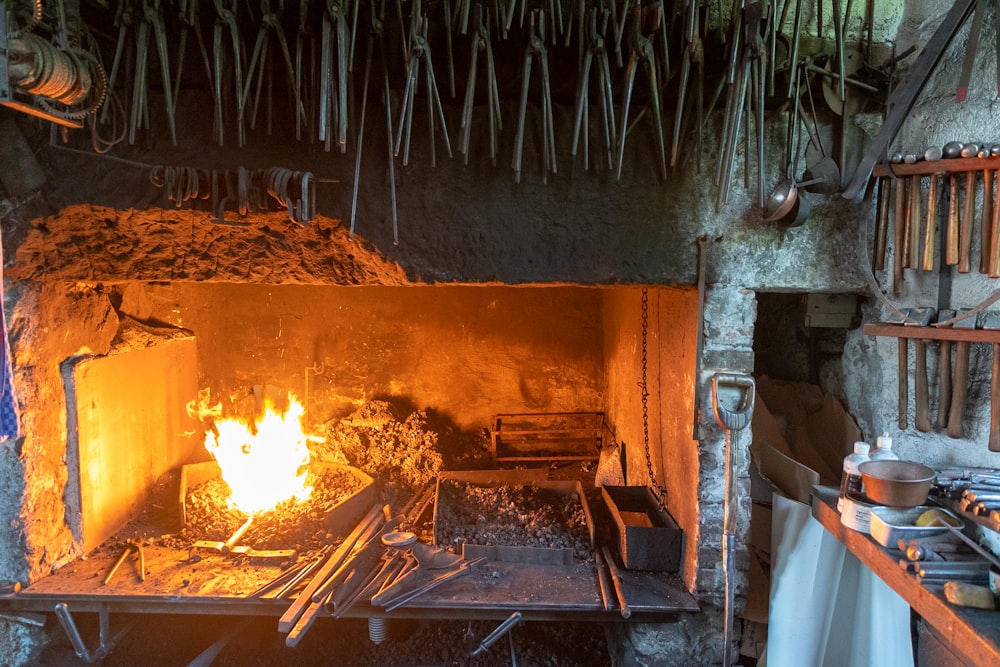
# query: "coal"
516, 515
290, 525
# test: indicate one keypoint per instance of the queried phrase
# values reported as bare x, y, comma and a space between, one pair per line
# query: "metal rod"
617, 582
499, 632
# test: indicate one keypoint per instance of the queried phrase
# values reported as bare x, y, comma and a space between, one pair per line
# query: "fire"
266, 464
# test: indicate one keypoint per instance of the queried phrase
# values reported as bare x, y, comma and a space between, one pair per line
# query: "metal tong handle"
499, 632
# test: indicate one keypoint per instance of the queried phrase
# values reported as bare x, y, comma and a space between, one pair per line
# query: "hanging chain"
661, 492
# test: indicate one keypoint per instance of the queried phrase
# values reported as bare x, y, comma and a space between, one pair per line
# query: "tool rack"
932, 333
942, 166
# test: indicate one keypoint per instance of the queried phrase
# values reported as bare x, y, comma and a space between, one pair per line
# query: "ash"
402, 454
511, 515
290, 525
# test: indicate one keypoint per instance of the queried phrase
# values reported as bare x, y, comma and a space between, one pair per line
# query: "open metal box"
548, 436
648, 537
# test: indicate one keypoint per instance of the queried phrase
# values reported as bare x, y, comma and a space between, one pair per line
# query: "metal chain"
661, 492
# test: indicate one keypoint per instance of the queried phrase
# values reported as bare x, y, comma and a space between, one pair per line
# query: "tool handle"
602, 581
944, 385
904, 385
920, 392
904, 188
951, 235
499, 632
985, 228
959, 388
994, 443
881, 223
916, 192
898, 234
927, 261
965, 232
616, 582
739, 418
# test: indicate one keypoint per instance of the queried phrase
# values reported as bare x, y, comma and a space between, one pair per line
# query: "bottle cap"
884, 442
862, 447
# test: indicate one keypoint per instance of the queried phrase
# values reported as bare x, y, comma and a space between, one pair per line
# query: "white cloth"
826, 607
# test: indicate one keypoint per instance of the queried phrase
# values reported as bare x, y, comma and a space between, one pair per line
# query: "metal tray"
891, 524
529, 477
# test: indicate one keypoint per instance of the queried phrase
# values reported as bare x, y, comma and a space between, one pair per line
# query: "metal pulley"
37, 67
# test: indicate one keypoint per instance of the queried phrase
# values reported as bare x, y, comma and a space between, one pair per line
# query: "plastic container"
883, 450
851, 480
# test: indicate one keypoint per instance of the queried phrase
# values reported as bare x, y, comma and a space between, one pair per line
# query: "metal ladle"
783, 198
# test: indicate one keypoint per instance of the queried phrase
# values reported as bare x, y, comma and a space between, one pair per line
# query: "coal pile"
290, 525
512, 515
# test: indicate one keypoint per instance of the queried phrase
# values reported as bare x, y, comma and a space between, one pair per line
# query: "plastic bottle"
851, 481
883, 450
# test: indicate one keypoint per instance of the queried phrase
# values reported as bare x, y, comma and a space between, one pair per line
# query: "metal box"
891, 524
535, 479
547, 436
648, 537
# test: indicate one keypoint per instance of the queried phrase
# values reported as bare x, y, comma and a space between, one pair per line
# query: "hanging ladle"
782, 201
825, 172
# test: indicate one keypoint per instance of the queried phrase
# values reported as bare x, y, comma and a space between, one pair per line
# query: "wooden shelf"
932, 333
974, 632
927, 167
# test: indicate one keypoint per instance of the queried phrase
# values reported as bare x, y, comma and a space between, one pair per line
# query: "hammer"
960, 383
992, 321
944, 375
952, 150
921, 397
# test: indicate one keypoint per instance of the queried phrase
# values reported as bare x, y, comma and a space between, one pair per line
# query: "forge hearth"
459, 356
340, 496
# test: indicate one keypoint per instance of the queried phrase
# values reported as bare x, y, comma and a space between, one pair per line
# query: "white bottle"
883, 450
851, 481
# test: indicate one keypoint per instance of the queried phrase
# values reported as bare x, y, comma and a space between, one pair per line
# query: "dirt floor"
178, 640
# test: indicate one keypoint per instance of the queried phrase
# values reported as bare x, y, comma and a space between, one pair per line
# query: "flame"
264, 465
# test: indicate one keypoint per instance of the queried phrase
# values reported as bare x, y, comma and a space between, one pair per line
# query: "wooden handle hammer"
992, 321
960, 382
921, 399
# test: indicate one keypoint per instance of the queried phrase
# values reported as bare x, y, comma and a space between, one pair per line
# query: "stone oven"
456, 286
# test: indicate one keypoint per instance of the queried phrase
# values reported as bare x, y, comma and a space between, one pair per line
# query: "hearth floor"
217, 584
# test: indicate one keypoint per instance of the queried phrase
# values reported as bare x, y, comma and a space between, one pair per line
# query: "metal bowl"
896, 483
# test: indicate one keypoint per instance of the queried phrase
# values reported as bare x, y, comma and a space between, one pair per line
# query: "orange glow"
264, 465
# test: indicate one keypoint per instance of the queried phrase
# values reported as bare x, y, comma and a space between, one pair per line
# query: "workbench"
975, 633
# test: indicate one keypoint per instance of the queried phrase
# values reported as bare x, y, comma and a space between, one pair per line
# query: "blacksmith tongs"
642, 50
536, 48
131, 547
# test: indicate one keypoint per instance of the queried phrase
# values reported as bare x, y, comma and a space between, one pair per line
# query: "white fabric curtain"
826, 607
